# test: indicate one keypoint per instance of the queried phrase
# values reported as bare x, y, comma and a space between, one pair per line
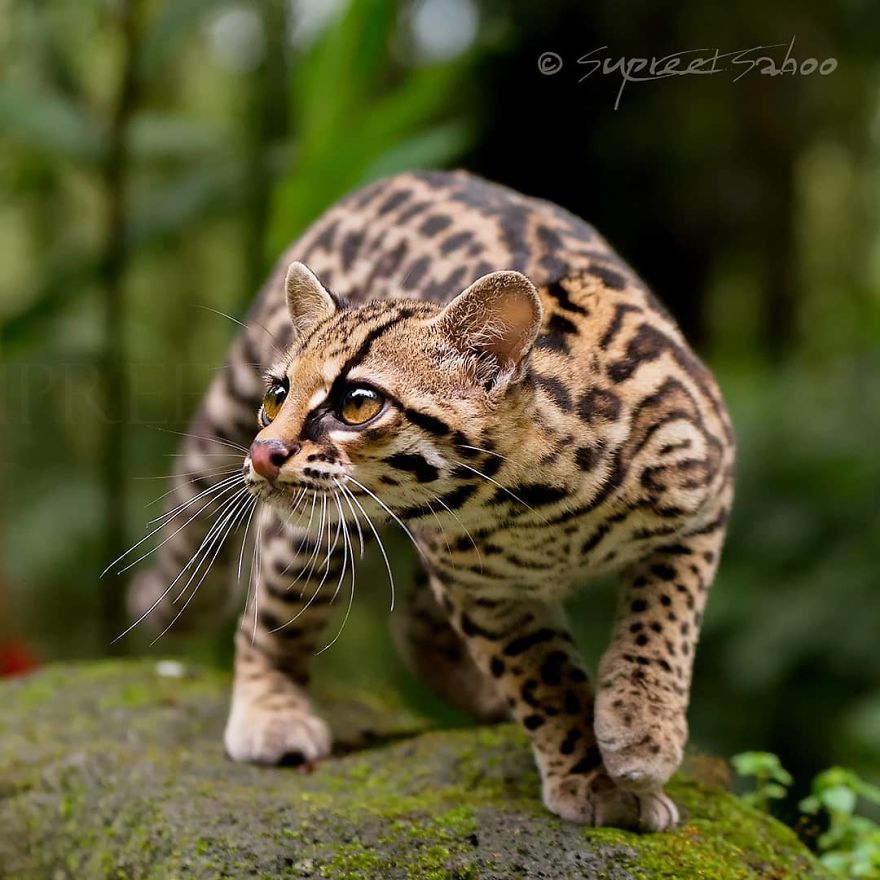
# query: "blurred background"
157, 155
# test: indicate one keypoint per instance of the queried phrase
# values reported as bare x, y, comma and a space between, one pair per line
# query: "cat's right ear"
496, 321
308, 301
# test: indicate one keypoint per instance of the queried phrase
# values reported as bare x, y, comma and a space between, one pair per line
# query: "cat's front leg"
527, 649
271, 719
645, 676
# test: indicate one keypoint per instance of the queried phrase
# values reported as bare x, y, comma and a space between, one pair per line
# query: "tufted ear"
496, 319
308, 301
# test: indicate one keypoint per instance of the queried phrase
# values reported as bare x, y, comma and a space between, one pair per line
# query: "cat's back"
428, 235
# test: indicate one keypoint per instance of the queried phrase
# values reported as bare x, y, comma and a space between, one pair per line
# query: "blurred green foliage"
849, 845
753, 208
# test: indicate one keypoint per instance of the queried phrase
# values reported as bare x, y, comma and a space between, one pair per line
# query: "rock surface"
116, 770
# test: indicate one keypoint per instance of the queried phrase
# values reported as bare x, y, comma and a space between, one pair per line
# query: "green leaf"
434, 147
49, 123
839, 800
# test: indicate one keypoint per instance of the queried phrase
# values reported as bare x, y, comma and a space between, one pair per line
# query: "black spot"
395, 200
664, 572
560, 294
552, 342
455, 241
598, 404
638, 606
434, 224
527, 692
551, 667
523, 643
470, 628
665, 600
428, 423
561, 325
351, 244
533, 722
496, 667
415, 273
572, 703
641, 640
415, 464
616, 323
537, 494
556, 390
594, 539
589, 762
568, 744
608, 277
586, 457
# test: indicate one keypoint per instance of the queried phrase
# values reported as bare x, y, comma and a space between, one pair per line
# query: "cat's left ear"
308, 301
496, 319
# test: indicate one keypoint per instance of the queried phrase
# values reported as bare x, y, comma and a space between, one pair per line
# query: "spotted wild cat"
481, 368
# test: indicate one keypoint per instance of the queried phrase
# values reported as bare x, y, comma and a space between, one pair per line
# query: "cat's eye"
360, 404
274, 400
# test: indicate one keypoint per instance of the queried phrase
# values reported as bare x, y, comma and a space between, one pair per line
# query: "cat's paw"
287, 734
642, 744
596, 800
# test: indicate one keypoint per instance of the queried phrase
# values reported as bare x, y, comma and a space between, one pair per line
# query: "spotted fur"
548, 426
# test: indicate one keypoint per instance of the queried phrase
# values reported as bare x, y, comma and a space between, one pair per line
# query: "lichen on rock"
110, 770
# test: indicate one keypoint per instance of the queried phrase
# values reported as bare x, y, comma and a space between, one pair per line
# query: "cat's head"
396, 403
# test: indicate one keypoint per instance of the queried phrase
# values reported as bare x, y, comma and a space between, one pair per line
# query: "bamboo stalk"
114, 360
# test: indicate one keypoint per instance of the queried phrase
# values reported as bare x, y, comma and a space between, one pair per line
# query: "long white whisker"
276, 343
503, 488
257, 571
204, 473
224, 472
354, 498
244, 541
156, 603
390, 513
490, 452
449, 510
354, 515
209, 540
170, 514
346, 543
208, 439
233, 522
309, 567
225, 491
348, 550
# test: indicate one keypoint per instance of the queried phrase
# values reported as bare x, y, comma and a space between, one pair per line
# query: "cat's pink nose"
267, 456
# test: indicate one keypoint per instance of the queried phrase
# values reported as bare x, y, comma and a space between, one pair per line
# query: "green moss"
111, 771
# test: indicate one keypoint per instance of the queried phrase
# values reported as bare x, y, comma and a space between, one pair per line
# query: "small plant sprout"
772, 780
850, 847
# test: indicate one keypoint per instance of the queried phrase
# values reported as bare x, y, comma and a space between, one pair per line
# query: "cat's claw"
597, 801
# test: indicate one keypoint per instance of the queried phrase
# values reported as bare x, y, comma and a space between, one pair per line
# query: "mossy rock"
113, 770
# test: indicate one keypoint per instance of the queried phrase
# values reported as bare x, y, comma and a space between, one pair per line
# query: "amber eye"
273, 400
359, 405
